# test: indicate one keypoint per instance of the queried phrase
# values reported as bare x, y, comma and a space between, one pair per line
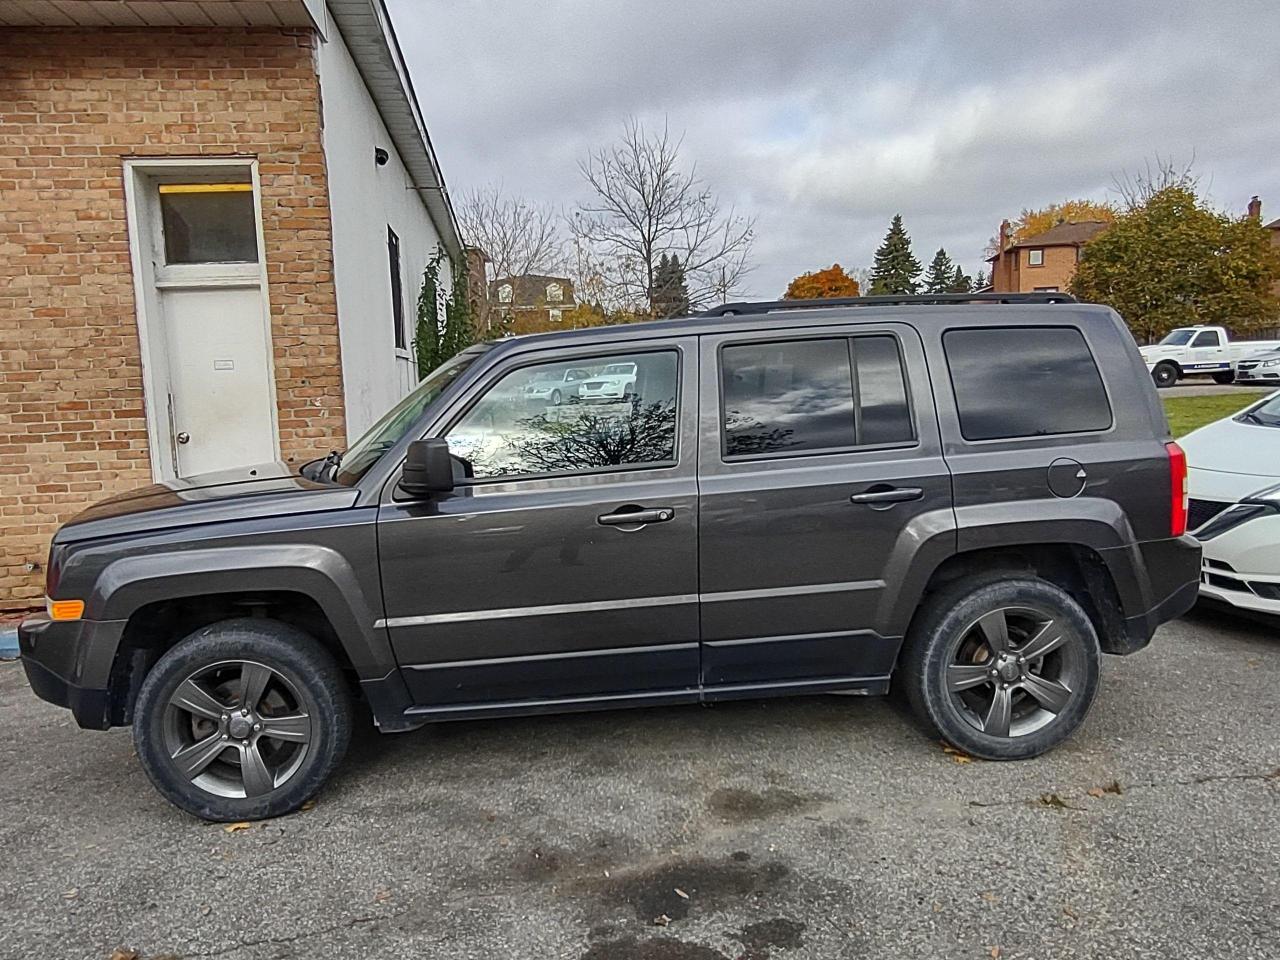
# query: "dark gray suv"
969, 498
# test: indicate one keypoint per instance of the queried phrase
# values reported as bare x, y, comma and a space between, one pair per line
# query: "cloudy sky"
823, 118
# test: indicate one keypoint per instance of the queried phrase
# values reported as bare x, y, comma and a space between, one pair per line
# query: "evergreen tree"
896, 269
941, 275
980, 280
960, 282
670, 291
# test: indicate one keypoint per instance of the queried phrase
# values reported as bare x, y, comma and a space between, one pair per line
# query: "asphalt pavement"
823, 827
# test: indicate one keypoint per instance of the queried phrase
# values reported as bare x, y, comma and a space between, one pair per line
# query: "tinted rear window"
1025, 382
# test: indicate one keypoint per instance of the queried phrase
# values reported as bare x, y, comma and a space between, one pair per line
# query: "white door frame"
140, 174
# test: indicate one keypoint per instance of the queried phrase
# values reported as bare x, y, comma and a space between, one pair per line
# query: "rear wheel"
1165, 374
242, 720
556, 398
1004, 669
1227, 376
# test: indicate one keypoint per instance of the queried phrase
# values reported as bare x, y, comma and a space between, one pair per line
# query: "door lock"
183, 437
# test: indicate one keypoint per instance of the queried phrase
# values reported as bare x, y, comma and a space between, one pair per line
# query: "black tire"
305, 694
1165, 374
556, 398
947, 641
1227, 376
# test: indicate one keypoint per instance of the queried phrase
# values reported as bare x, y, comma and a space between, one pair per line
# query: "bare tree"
643, 204
518, 235
1136, 188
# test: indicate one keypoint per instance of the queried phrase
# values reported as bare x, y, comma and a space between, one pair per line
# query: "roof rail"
768, 306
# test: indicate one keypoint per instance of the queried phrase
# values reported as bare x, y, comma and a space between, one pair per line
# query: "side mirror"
428, 468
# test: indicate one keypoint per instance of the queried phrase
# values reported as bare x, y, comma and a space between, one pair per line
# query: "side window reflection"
571, 416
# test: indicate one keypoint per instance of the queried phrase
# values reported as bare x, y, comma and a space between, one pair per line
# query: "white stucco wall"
364, 199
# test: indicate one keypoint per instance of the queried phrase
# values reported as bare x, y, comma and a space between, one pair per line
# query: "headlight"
1270, 363
1266, 502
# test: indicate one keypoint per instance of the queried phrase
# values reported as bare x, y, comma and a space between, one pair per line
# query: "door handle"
887, 495
637, 517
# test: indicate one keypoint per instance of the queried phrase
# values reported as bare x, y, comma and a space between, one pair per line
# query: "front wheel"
242, 720
1165, 374
556, 398
1004, 669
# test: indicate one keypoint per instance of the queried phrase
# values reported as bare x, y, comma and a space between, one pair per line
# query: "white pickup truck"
1196, 350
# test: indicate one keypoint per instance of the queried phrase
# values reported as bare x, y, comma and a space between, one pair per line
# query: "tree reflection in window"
524, 426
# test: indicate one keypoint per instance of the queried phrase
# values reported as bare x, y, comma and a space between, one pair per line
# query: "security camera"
380, 156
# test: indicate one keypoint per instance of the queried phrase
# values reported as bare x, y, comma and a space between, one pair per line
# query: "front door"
209, 375
1206, 353
563, 571
826, 474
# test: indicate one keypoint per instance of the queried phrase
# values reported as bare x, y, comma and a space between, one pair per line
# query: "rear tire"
556, 398
1165, 374
1225, 377
978, 625
242, 720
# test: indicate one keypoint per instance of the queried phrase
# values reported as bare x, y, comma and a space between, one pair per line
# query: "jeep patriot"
969, 499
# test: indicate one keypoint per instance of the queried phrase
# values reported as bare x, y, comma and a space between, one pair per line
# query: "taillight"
1177, 490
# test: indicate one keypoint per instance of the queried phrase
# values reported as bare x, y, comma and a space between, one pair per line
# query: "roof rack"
768, 306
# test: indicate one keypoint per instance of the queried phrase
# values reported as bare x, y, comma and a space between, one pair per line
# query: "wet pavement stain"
709, 885
779, 932
658, 948
735, 805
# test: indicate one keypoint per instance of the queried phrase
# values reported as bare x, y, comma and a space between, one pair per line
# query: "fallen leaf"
680, 893
995, 953
71, 894
1053, 800
1114, 787
957, 755
309, 805
990, 897
205, 909
1096, 792
381, 895
124, 953
659, 921
236, 827
606, 874
1066, 909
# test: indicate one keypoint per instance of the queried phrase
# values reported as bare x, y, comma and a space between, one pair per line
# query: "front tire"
1165, 374
242, 720
1004, 669
556, 398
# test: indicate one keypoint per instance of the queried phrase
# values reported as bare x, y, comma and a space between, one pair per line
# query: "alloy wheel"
1014, 670
237, 728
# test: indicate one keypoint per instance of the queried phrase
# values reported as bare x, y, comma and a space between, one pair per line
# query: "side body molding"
319, 572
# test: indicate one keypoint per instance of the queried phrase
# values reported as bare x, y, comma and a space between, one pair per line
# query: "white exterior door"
203, 315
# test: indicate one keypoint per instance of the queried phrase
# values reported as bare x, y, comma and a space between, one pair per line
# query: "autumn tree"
645, 201
896, 270
1172, 261
1031, 223
822, 285
941, 273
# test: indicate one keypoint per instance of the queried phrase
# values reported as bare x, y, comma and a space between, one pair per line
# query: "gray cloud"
825, 118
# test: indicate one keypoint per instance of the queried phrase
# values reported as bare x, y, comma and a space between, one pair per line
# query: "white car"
1263, 368
1234, 509
555, 386
615, 382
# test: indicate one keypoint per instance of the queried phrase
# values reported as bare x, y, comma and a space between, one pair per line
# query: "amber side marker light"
66, 609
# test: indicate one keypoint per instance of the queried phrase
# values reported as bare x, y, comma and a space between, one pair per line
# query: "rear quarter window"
1014, 382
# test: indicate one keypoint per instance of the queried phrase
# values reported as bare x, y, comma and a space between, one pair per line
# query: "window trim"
532, 360
1024, 438
848, 337
395, 266
1031, 254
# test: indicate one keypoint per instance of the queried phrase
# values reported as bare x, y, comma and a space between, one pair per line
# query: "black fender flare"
129, 583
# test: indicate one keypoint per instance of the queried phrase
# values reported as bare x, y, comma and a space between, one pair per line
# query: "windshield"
1178, 338
386, 433
1264, 415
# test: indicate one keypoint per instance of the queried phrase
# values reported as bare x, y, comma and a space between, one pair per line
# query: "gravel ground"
809, 828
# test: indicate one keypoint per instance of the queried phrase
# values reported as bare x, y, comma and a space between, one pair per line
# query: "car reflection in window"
515, 431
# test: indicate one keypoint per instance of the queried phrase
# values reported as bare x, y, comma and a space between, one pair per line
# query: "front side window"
1207, 338
1025, 382
573, 416
804, 396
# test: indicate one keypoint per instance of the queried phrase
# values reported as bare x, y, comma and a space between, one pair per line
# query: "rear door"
820, 474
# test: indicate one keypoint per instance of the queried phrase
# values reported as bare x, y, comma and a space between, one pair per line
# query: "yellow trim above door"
206, 187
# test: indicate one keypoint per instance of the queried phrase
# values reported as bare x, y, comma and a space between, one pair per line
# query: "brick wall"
72, 104
1012, 271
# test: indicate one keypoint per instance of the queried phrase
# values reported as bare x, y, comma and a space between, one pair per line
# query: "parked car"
1234, 483
615, 382
556, 386
1200, 349
802, 499
1261, 368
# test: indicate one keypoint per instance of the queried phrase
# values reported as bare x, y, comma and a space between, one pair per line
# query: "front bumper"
68, 663
1242, 566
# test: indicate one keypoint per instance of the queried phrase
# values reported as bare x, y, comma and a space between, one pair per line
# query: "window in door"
208, 222
1207, 338
805, 396
397, 291
573, 416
